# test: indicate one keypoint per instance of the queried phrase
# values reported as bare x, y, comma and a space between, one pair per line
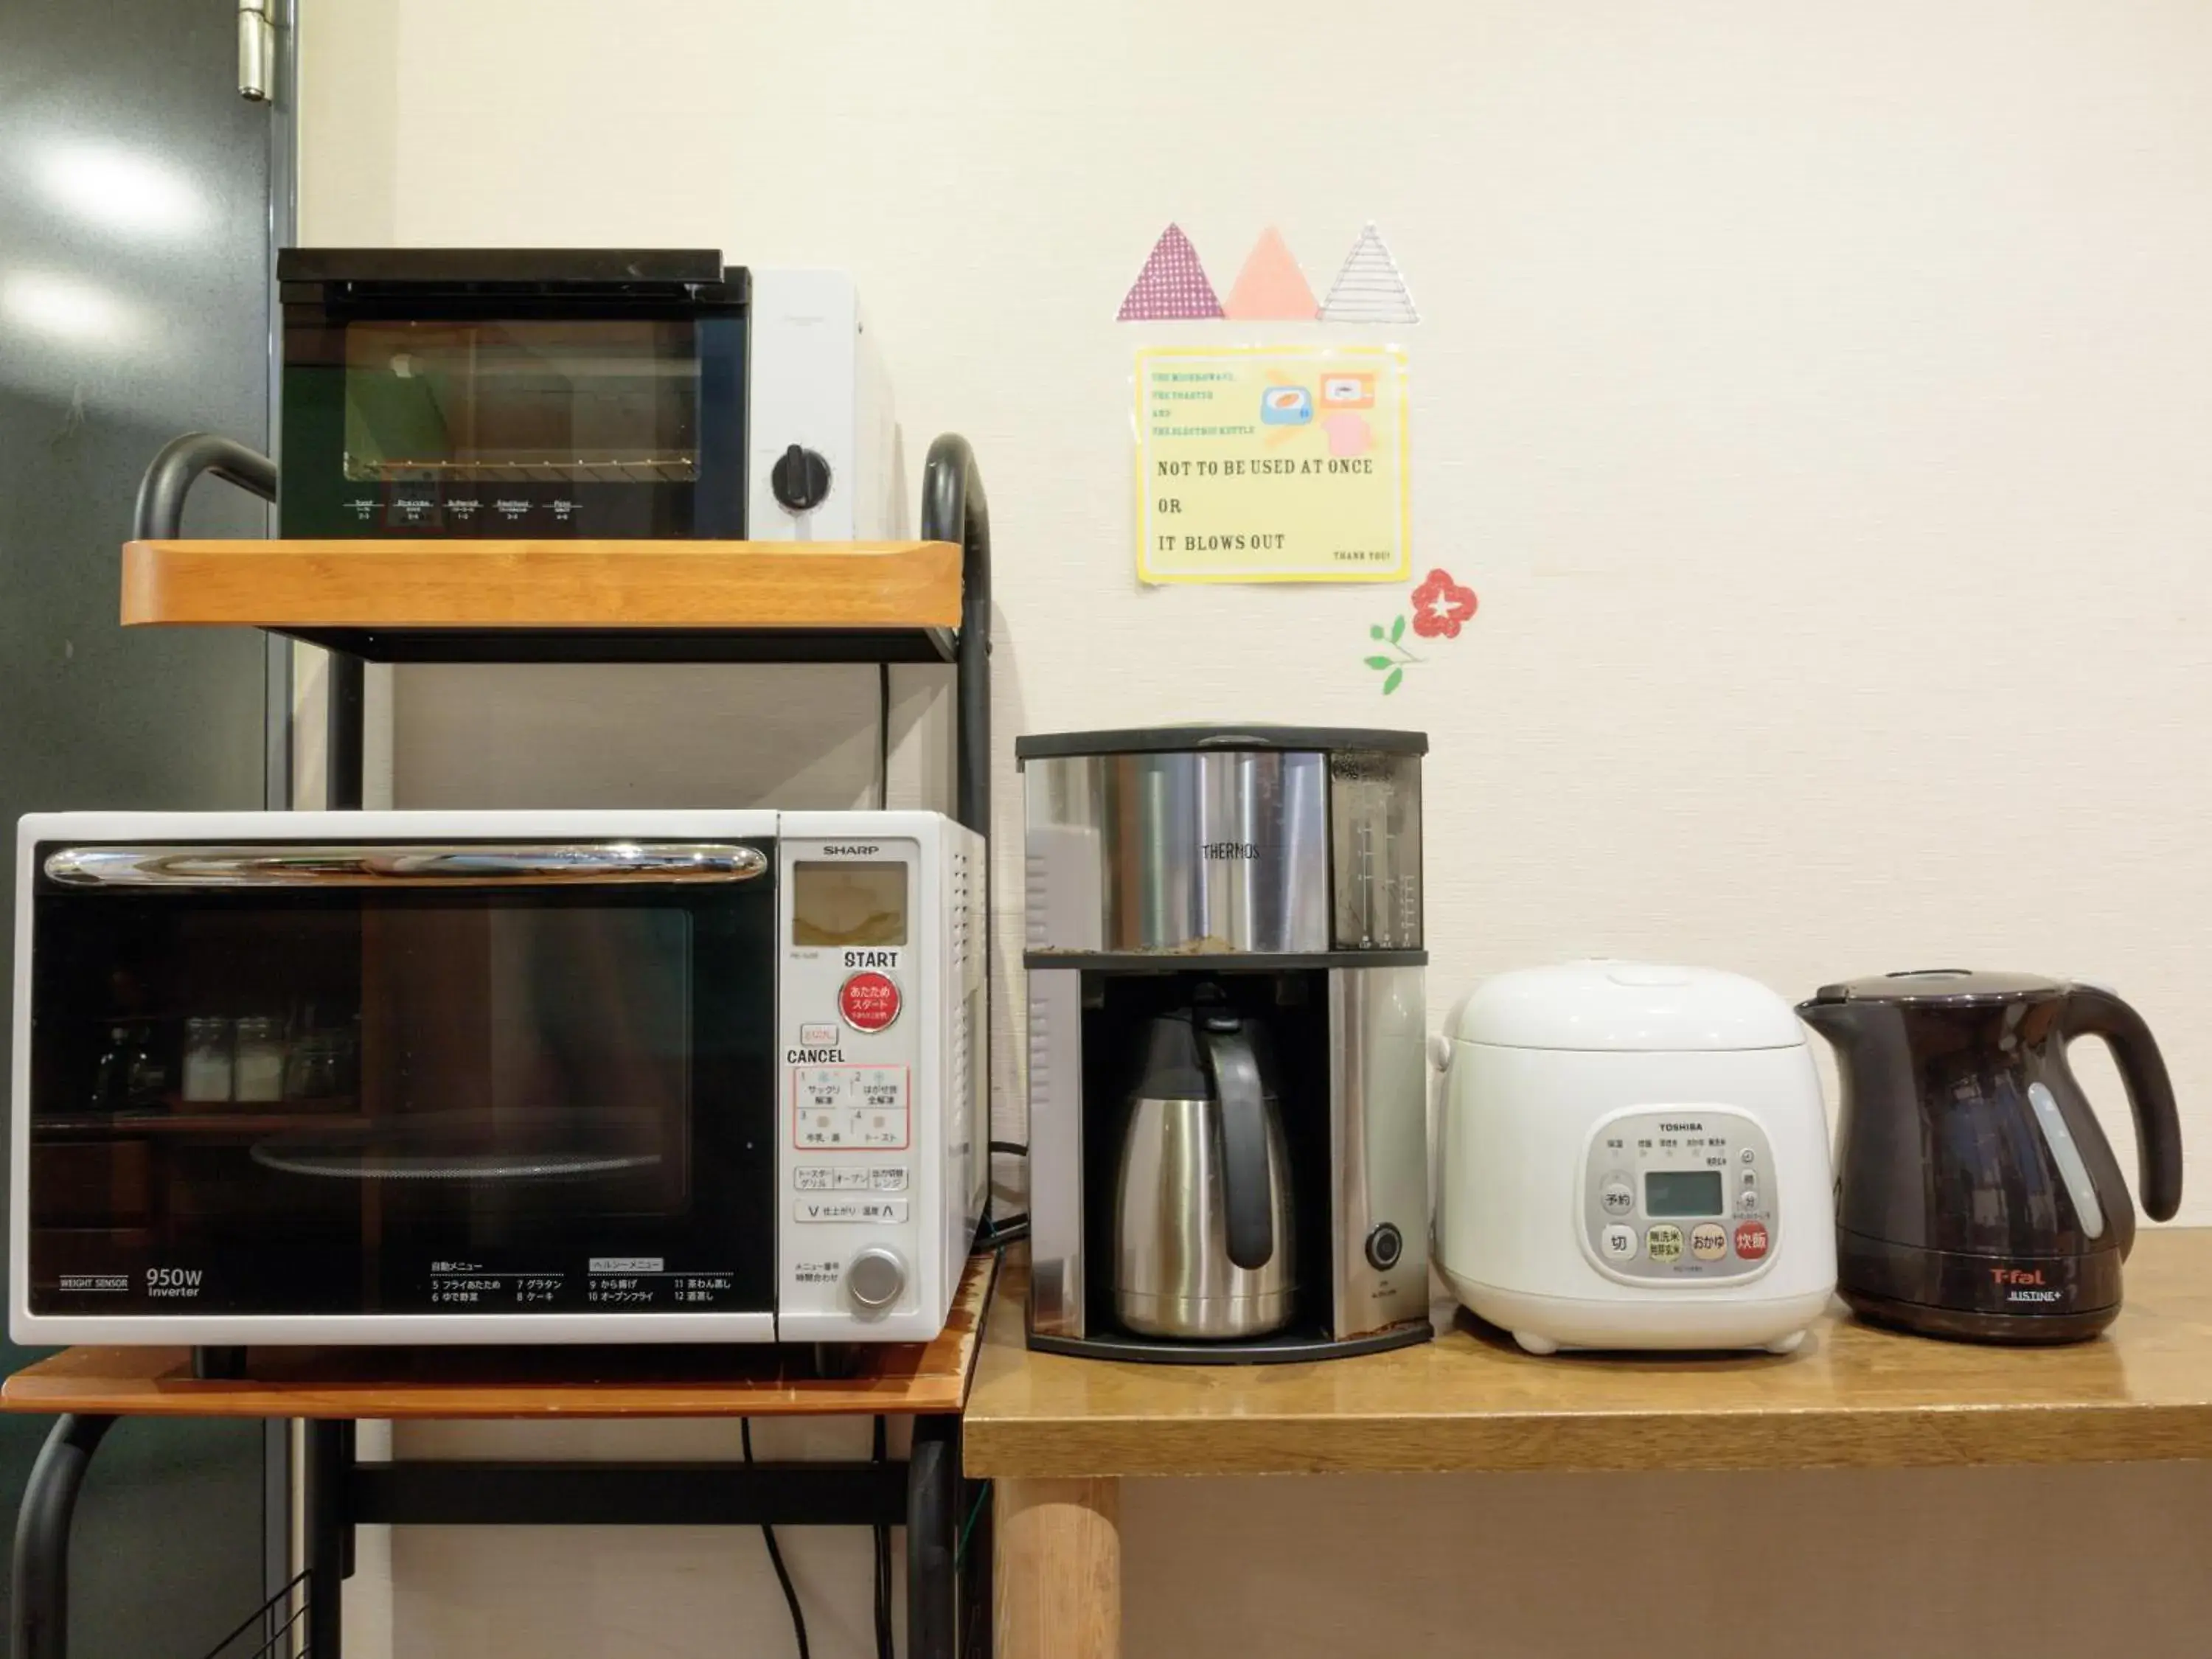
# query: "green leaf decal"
1391, 684
1378, 662
1375, 632
1397, 630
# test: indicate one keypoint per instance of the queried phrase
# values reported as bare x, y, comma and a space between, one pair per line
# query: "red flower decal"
1440, 605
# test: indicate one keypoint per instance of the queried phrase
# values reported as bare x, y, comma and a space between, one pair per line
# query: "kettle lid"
1630, 1006
1942, 985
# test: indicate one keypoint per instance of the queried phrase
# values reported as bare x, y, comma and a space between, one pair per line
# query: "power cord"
998, 1231
885, 1649
776, 1554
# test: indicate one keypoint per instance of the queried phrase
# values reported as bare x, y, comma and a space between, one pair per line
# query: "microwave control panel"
852, 1015
1679, 1196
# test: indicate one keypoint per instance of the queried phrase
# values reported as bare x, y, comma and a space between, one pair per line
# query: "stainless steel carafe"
1204, 1236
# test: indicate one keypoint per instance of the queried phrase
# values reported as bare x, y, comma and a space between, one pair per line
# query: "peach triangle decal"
1271, 287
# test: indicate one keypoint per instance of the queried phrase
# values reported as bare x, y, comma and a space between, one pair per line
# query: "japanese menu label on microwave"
1272, 463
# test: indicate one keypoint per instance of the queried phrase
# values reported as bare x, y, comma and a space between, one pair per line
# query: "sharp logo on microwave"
850, 850
1239, 851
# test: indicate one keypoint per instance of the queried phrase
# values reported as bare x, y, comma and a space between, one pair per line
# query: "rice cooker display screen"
1682, 1192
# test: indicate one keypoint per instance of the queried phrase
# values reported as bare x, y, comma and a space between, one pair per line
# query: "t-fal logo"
2023, 1284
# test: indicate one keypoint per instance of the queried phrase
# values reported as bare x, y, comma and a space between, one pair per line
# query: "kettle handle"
1245, 1178
2092, 1010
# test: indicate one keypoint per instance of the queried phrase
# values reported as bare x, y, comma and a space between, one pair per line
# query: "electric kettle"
1976, 1196
1204, 1239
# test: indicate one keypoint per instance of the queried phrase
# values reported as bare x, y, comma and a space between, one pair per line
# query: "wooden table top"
1853, 1396
648, 1380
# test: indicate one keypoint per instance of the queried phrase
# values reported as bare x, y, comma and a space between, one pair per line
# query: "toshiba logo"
1681, 1128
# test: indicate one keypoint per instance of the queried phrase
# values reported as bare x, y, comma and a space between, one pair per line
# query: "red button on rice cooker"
868, 1002
1751, 1240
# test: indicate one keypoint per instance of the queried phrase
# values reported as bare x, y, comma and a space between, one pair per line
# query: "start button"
869, 1002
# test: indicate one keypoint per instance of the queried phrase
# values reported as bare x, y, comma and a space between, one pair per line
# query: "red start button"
1751, 1240
869, 1002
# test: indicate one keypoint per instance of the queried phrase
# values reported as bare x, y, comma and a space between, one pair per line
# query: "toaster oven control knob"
875, 1279
1385, 1246
800, 479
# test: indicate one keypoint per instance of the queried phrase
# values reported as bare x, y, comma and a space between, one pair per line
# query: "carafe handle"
2091, 1011
1247, 1194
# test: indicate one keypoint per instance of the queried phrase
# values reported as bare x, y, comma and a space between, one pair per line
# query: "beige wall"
1817, 396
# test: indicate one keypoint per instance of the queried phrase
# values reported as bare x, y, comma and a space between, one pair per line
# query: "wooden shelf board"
1853, 1396
648, 1380
597, 585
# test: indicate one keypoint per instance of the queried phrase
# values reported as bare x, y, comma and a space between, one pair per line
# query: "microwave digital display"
1683, 1193
609, 400
840, 903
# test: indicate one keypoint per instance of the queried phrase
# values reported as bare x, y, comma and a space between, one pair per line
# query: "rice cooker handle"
1245, 1178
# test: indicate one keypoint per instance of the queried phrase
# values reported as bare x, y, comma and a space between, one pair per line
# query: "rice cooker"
1634, 1156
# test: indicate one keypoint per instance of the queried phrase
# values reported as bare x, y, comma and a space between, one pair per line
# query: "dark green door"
136, 220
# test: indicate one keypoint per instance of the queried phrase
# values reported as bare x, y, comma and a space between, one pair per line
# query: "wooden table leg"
1058, 1573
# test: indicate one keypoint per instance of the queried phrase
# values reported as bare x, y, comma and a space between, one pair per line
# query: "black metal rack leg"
343, 728
932, 1537
330, 1533
42, 1538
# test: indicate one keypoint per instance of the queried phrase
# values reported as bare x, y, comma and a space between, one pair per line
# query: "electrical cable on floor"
775, 1554
885, 1648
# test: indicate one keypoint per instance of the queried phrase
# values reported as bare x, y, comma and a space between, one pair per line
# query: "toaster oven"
530, 393
496, 1077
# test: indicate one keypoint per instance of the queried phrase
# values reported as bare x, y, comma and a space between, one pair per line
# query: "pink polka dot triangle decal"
1172, 284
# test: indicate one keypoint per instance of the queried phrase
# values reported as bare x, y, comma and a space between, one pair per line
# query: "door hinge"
257, 51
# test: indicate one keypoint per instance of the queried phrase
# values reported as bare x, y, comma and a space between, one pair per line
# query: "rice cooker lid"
1626, 1006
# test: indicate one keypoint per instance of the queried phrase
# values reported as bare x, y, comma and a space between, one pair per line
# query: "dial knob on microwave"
800, 479
875, 1277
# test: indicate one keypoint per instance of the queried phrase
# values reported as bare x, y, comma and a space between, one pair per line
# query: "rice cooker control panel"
1679, 1196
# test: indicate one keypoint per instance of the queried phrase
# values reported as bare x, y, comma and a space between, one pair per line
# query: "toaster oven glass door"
335, 1096
624, 423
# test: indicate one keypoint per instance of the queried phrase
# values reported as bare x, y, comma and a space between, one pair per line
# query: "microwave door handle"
460, 863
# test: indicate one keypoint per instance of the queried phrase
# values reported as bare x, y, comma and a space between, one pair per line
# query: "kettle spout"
1837, 1020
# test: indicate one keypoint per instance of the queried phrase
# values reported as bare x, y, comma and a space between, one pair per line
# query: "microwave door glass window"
416, 1101
588, 401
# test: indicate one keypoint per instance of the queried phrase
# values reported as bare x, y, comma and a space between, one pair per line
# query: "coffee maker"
1228, 1106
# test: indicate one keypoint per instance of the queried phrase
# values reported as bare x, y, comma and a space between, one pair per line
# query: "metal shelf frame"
947, 1572
948, 1576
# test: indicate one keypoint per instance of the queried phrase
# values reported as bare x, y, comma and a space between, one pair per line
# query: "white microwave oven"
446, 1077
